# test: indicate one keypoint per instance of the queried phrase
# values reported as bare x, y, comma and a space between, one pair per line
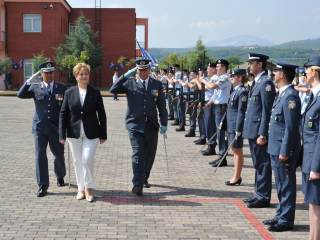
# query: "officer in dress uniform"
237, 106
177, 94
283, 146
256, 125
145, 101
48, 97
311, 148
222, 87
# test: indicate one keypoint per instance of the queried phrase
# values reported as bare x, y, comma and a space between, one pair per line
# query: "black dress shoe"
42, 192
175, 123
222, 164
251, 199
209, 151
270, 222
238, 182
146, 184
280, 227
180, 129
258, 204
190, 134
137, 190
60, 182
200, 141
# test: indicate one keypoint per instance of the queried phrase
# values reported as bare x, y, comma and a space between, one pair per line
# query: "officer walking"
145, 101
283, 146
256, 125
48, 96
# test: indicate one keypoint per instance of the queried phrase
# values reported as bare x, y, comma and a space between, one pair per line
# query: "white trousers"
83, 151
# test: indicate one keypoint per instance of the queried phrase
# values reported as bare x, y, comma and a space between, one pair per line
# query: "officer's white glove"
163, 129
130, 73
34, 78
238, 134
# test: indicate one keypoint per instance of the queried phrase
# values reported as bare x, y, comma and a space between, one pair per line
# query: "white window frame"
27, 62
32, 17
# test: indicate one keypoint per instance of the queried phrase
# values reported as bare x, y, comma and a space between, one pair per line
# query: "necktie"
49, 89
310, 100
144, 84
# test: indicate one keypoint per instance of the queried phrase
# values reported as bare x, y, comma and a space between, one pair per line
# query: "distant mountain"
240, 41
301, 44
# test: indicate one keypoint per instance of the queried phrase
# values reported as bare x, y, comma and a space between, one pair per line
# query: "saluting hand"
314, 176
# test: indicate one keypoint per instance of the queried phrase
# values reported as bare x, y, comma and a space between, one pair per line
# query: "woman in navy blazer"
83, 122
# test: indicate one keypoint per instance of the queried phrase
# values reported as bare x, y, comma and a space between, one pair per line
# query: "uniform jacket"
261, 97
142, 103
311, 136
237, 106
284, 136
47, 107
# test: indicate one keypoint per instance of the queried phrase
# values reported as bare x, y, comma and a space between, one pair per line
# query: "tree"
199, 57
37, 60
234, 62
80, 46
5, 65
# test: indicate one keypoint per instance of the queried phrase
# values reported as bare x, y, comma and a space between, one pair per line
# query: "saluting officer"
283, 146
145, 101
48, 96
237, 107
256, 125
311, 148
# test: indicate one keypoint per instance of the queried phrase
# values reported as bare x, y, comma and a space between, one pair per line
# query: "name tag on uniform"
39, 95
155, 92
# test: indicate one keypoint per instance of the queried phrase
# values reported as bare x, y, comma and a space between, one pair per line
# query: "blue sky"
181, 23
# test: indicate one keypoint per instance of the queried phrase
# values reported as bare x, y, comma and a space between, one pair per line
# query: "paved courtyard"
189, 202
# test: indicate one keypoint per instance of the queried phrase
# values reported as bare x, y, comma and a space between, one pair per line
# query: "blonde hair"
77, 68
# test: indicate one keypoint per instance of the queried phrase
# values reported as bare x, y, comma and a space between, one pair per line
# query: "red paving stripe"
254, 222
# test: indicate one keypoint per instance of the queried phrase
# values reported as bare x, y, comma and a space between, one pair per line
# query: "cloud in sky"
213, 24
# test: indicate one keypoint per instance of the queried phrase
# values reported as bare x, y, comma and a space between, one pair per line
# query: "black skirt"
237, 143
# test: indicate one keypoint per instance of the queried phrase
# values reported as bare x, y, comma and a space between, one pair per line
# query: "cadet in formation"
283, 146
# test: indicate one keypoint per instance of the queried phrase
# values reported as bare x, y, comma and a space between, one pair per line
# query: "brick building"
29, 27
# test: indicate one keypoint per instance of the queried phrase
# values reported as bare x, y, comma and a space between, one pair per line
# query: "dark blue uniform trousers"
263, 174
193, 119
41, 140
170, 106
285, 179
219, 111
209, 123
181, 112
202, 128
144, 147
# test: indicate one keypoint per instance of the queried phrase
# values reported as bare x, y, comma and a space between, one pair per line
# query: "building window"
32, 23
27, 68
72, 27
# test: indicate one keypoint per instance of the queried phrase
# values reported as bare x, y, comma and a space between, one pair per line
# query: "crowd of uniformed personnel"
278, 113
275, 107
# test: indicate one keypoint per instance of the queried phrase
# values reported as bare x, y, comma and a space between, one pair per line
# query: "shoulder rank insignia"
291, 104
244, 98
268, 88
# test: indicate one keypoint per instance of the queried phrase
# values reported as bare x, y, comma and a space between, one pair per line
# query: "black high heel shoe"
238, 182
